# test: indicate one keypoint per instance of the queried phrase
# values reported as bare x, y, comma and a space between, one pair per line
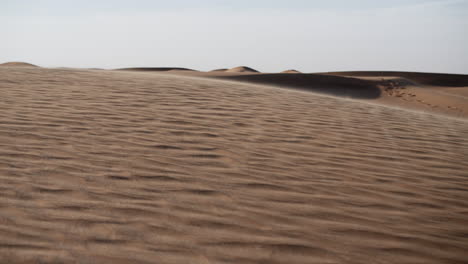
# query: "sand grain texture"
132, 167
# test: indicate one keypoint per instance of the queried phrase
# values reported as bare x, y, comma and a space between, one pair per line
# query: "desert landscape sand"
177, 166
426, 92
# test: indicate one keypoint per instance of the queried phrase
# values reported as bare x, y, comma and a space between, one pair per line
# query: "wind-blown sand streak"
427, 92
127, 167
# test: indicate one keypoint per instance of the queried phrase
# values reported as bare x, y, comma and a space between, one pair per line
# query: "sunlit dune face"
131, 167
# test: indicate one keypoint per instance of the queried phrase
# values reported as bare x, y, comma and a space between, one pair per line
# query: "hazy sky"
269, 35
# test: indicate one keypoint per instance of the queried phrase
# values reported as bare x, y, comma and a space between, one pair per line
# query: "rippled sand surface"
124, 167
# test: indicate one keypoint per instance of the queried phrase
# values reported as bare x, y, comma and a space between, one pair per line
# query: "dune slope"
241, 69
335, 85
131, 167
155, 69
291, 71
17, 64
417, 91
437, 79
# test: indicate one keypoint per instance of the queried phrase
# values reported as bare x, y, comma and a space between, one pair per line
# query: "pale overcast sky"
269, 35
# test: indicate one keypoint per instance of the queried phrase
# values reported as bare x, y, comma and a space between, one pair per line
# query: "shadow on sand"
333, 85
423, 78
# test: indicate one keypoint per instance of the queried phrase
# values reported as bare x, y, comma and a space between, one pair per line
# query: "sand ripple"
124, 167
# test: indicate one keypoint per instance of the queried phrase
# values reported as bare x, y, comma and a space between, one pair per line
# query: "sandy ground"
131, 167
426, 92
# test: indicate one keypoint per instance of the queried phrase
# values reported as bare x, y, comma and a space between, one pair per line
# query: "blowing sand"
426, 92
137, 167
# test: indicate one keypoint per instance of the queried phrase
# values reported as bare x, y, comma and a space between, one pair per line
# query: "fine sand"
157, 167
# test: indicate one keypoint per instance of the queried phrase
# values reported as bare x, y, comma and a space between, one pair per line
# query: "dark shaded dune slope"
437, 79
158, 69
335, 85
219, 70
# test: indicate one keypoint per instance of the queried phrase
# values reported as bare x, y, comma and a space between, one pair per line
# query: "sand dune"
137, 167
17, 64
242, 69
436, 79
433, 92
335, 85
417, 91
219, 70
155, 69
290, 71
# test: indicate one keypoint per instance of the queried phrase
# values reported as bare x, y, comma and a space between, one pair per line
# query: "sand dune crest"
17, 64
437, 79
291, 71
242, 69
155, 69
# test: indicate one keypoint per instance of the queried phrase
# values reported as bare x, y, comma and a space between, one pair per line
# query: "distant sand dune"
135, 167
290, 71
157, 69
17, 64
241, 69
